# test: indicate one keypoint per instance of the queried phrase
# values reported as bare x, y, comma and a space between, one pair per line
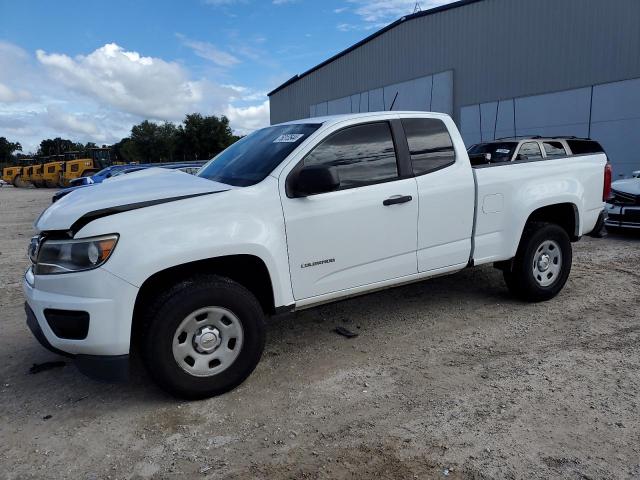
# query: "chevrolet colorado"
186, 268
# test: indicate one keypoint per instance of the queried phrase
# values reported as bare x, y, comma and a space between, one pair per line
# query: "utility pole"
417, 8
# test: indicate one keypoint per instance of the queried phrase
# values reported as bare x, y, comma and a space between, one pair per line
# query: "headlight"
66, 256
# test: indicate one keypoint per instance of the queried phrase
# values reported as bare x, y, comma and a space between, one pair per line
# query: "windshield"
102, 172
500, 151
252, 158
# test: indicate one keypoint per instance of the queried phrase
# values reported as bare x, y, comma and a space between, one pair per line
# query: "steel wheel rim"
208, 341
547, 263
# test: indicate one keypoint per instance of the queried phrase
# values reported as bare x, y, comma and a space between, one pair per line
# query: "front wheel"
542, 264
203, 337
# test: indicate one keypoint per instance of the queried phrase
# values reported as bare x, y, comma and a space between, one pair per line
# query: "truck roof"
532, 137
331, 119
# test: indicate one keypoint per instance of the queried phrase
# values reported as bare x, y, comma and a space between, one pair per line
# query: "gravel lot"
450, 373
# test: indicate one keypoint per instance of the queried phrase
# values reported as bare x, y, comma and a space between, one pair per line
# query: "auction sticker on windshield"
289, 138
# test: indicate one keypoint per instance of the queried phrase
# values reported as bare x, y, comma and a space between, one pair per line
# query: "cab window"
529, 151
554, 149
362, 155
430, 145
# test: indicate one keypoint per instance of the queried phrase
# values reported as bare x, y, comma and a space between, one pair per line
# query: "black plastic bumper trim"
34, 326
106, 368
598, 231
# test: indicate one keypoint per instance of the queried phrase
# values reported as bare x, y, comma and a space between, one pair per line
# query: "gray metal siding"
497, 49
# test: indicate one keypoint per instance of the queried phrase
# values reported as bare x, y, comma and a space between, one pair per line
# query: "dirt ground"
447, 378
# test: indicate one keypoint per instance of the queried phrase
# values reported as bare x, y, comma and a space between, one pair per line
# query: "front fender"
243, 221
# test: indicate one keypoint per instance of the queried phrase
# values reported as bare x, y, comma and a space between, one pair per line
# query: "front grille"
630, 216
622, 198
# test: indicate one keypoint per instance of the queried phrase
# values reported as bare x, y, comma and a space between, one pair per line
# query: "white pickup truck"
294, 215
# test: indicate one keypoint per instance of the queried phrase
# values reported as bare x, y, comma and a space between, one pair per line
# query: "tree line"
198, 137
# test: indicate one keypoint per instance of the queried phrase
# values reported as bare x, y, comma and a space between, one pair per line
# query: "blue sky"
88, 70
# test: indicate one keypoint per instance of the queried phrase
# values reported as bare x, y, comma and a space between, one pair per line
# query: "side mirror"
314, 179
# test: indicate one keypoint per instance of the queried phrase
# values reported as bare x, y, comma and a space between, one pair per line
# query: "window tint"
500, 152
529, 151
554, 149
252, 158
430, 145
581, 147
362, 154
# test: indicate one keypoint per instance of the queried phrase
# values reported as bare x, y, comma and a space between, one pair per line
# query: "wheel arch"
249, 271
565, 214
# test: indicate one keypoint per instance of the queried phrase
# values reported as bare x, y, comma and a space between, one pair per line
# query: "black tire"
521, 278
164, 316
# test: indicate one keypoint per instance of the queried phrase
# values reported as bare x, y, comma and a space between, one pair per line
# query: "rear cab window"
430, 145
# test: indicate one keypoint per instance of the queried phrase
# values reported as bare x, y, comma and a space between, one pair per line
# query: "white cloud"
208, 51
77, 124
248, 118
375, 11
99, 96
144, 86
9, 95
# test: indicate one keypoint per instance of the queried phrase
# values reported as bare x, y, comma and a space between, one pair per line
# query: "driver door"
355, 235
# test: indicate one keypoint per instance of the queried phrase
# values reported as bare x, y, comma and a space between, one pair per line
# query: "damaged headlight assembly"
72, 255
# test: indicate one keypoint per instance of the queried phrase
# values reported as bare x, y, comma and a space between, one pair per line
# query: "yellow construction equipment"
52, 170
20, 175
11, 174
26, 174
37, 175
84, 165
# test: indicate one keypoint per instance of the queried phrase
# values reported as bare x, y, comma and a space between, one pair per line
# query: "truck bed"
507, 192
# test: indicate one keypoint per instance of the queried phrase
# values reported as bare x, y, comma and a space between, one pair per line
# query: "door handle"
395, 200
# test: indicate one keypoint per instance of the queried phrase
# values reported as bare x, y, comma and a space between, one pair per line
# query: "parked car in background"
101, 175
530, 148
117, 170
623, 208
289, 217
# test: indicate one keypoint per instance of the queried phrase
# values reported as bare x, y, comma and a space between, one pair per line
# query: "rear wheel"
542, 264
203, 337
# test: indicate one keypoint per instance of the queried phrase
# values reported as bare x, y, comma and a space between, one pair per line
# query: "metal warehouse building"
499, 67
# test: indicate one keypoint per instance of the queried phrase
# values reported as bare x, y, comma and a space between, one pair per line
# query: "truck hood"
123, 193
629, 185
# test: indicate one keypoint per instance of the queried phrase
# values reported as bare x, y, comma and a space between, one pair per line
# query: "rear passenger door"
354, 236
446, 195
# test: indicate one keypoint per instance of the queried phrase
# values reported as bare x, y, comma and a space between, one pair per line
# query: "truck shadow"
309, 329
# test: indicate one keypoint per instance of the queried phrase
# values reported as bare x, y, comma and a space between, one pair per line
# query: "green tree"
56, 146
7, 148
203, 137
